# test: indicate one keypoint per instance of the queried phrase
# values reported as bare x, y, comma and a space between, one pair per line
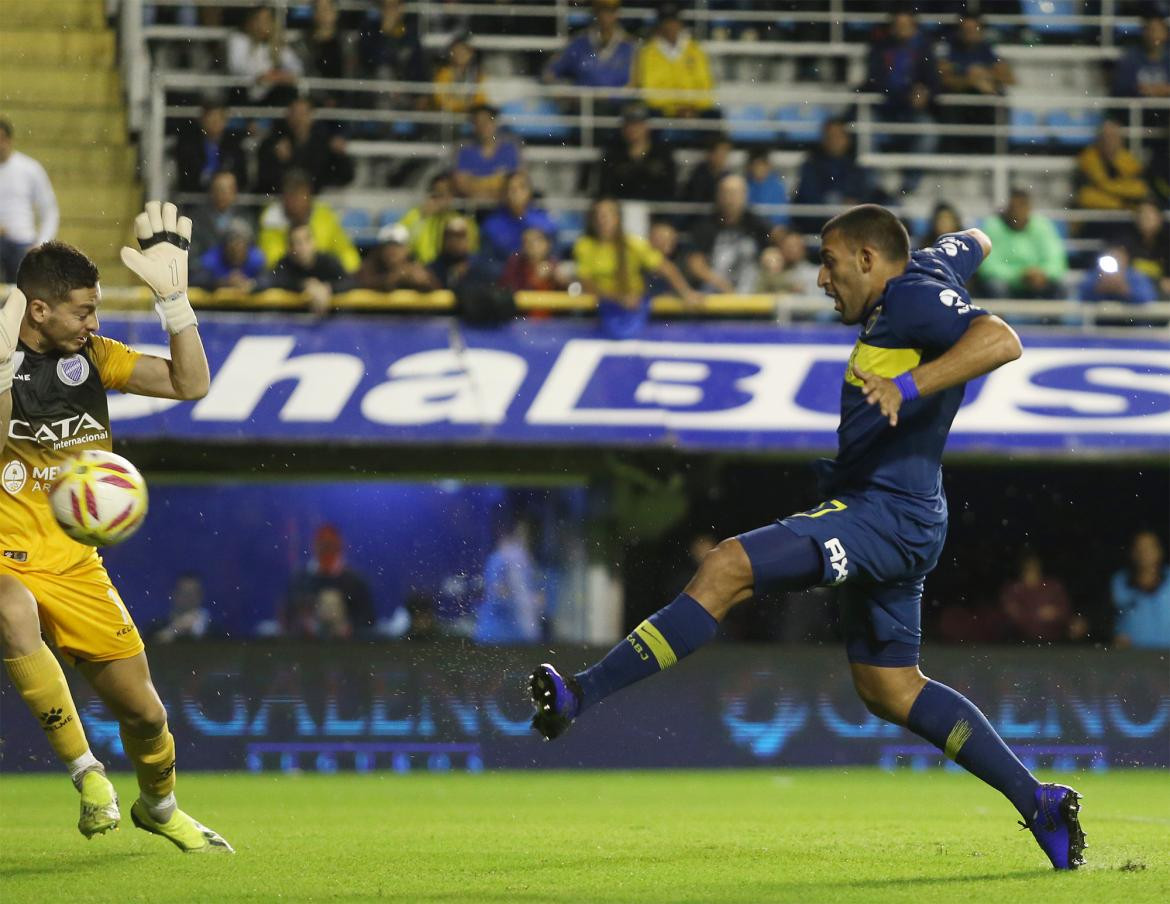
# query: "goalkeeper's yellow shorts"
81, 613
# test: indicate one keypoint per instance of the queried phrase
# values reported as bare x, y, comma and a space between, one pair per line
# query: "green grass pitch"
856, 835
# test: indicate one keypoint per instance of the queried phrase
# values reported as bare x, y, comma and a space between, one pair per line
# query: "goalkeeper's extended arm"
164, 238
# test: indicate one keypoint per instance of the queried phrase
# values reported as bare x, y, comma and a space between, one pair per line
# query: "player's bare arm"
989, 343
164, 237
11, 316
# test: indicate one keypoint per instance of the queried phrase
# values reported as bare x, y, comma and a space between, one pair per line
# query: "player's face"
845, 277
67, 325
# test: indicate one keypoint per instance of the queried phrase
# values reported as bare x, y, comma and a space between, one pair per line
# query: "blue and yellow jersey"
921, 314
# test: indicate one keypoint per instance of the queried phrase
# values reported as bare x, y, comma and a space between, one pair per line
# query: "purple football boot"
557, 701
1056, 826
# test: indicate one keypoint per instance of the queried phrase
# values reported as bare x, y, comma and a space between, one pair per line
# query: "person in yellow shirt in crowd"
427, 222
460, 70
670, 61
613, 266
296, 207
1108, 176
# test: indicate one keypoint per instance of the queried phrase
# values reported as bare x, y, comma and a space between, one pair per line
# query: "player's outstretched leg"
953, 724
126, 688
40, 681
724, 579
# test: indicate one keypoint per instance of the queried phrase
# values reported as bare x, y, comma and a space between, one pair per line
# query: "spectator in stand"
672, 61
512, 610
944, 220
208, 148
1108, 176
636, 167
831, 176
786, 270
28, 206
613, 266
296, 207
390, 266
325, 49
1037, 605
455, 259
700, 187
602, 56
482, 165
300, 143
318, 274
664, 240
459, 81
234, 263
427, 222
333, 598
534, 267
1147, 241
725, 256
502, 230
765, 185
902, 67
971, 65
259, 54
1029, 259
210, 220
389, 50
189, 618
1114, 279
1141, 596
1145, 71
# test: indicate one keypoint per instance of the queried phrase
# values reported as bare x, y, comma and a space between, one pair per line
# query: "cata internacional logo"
743, 386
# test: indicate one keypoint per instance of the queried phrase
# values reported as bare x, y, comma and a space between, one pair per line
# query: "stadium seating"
64, 96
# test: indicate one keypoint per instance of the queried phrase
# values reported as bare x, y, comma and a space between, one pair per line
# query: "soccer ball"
98, 498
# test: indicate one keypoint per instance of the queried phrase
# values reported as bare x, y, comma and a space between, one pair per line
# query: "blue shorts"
881, 548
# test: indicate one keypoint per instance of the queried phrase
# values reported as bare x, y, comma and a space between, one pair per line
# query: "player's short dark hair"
296, 179
872, 225
6, 126
54, 269
715, 139
759, 152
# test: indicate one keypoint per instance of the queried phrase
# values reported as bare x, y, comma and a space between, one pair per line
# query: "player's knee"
18, 611
728, 564
148, 721
889, 693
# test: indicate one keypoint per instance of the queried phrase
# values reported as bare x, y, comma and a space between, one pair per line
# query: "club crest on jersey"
73, 371
14, 476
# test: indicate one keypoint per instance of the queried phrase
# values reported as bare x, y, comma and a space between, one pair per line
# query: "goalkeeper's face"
65, 326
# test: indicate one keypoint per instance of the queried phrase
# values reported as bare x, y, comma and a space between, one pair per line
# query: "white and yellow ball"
98, 498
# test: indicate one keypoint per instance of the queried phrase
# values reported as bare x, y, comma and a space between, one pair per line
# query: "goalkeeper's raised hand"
164, 238
11, 316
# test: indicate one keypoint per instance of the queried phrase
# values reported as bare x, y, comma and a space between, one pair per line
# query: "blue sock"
658, 643
955, 725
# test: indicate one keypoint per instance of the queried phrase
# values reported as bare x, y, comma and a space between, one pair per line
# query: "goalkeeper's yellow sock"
154, 763
41, 684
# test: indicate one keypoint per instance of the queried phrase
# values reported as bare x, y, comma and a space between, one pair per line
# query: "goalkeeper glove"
11, 316
164, 237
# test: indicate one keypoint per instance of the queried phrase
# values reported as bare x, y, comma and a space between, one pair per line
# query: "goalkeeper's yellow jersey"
58, 408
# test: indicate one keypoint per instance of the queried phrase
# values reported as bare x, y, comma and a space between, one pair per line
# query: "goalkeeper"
54, 373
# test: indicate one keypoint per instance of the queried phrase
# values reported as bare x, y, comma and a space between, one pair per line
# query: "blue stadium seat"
801, 122
527, 128
355, 220
1026, 129
1074, 128
570, 225
390, 215
1039, 16
1061, 228
750, 123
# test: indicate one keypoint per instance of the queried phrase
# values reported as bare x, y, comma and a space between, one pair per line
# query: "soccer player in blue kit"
882, 525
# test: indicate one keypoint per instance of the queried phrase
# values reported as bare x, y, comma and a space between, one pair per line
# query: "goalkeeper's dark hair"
54, 269
6, 126
872, 225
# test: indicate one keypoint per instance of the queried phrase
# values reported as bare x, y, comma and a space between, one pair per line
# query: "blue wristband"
906, 386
